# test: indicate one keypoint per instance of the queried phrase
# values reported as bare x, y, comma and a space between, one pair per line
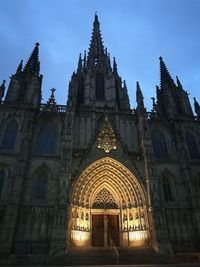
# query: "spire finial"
165, 77
33, 65
96, 53
96, 17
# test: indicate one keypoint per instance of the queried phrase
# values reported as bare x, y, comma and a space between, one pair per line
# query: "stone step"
108, 256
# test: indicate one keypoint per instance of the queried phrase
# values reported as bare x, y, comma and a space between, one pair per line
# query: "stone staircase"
96, 256
92, 256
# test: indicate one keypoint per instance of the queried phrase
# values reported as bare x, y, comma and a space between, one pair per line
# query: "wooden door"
98, 230
113, 229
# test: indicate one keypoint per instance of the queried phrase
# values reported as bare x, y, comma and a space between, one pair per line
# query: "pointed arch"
10, 135
40, 183
112, 175
159, 144
192, 146
40, 187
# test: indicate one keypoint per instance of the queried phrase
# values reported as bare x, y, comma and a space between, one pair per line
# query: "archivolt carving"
112, 175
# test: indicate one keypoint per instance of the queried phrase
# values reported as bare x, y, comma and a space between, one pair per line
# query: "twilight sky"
136, 32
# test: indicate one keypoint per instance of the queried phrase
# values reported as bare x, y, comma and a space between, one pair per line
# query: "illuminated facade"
96, 173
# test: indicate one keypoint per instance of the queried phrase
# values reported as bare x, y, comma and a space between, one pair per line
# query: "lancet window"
47, 139
168, 189
159, 144
10, 135
40, 187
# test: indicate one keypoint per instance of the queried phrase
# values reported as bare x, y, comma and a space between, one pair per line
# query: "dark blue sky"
135, 32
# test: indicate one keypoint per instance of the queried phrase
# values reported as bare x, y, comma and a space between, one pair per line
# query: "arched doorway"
107, 205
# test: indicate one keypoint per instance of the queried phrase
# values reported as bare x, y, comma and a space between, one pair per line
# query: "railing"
60, 108
115, 250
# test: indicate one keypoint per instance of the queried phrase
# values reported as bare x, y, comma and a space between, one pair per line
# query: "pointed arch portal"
107, 205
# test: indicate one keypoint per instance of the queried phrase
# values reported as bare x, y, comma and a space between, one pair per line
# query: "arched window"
40, 187
100, 86
47, 139
10, 135
192, 146
159, 144
2, 180
167, 189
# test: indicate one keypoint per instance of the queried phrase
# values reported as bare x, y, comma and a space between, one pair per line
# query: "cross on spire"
52, 92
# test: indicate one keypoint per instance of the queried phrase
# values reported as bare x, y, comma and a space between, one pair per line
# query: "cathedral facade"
94, 172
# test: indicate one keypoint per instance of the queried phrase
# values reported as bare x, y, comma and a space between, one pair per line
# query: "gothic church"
96, 173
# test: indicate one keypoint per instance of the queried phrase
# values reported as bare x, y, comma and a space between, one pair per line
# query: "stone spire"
84, 60
139, 96
33, 65
2, 89
96, 53
79, 63
179, 83
165, 77
115, 66
19, 68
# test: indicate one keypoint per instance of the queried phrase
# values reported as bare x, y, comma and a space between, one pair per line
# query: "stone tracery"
108, 186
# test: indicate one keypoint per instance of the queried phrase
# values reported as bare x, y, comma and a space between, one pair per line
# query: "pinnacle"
179, 83
33, 65
139, 96
96, 54
96, 19
19, 68
165, 77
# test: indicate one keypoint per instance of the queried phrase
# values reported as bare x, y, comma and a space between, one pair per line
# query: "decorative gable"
106, 139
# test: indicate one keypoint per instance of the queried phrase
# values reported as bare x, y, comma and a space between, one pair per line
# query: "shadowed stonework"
81, 181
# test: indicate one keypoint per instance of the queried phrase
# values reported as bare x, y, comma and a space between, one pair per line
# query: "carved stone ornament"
106, 139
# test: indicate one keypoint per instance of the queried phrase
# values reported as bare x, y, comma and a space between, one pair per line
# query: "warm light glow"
80, 238
137, 235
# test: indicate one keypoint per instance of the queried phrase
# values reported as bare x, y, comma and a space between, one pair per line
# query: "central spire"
96, 53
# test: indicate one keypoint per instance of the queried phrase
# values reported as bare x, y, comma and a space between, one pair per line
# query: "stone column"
105, 231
